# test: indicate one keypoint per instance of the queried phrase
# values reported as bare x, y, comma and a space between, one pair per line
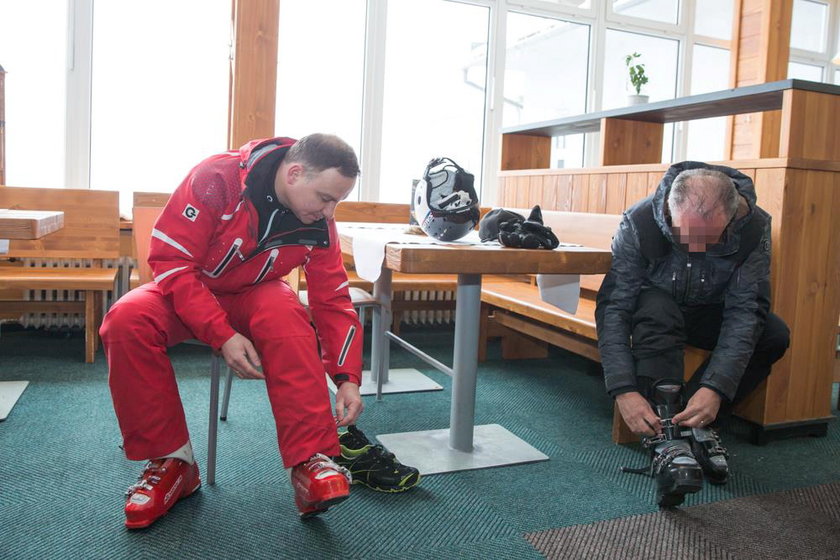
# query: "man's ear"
294, 173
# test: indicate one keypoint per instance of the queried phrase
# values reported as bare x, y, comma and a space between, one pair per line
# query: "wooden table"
29, 224
463, 445
22, 224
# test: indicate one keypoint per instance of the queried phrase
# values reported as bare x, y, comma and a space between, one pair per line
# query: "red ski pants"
142, 324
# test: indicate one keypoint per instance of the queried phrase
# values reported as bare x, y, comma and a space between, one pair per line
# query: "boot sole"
146, 523
676, 493
322, 507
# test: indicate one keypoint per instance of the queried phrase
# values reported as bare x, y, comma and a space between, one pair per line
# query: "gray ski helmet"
444, 202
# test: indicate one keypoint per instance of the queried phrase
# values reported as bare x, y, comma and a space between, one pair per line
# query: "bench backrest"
584, 228
91, 222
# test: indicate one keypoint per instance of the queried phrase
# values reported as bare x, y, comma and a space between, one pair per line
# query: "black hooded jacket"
734, 273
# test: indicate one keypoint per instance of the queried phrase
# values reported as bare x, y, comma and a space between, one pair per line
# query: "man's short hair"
318, 152
704, 192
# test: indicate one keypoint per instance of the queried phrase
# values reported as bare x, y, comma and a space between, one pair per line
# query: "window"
656, 10
435, 81
160, 92
320, 74
659, 56
33, 48
713, 18
709, 72
546, 64
801, 71
808, 26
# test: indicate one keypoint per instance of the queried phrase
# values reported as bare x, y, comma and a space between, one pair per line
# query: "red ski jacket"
223, 231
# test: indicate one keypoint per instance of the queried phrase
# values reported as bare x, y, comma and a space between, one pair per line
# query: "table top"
427, 256
29, 224
747, 99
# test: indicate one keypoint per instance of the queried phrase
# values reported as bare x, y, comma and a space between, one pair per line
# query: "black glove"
529, 234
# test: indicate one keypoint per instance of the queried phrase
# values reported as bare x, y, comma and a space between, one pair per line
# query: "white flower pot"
637, 99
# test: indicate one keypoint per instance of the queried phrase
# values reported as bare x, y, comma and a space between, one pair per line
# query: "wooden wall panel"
253, 71
616, 193
637, 188
811, 134
526, 152
760, 51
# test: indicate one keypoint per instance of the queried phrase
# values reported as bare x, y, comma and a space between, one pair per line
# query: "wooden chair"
91, 231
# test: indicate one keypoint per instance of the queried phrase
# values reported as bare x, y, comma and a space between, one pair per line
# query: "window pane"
320, 75
709, 72
33, 52
574, 3
659, 57
800, 71
837, 77
713, 18
545, 77
656, 10
807, 30
434, 91
160, 92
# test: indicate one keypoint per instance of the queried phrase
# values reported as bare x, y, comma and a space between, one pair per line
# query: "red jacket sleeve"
336, 321
180, 240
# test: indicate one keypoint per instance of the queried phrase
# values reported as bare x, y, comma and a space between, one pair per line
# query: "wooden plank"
625, 141
597, 198
580, 193
91, 222
637, 189
379, 212
522, 151
616, 194
253, 70
57, 278
811, 123
150, 198
29, 224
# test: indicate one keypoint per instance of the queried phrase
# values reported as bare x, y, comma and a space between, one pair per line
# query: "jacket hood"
743, 184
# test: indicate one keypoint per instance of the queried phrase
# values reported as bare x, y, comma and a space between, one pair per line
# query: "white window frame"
823, 59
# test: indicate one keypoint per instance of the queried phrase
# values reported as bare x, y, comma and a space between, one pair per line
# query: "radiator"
70, 320
428, 317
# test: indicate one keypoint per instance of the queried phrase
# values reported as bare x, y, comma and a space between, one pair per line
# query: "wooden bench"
513, 310
90, 234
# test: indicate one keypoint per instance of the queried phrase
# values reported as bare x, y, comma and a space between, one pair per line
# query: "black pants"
661, 330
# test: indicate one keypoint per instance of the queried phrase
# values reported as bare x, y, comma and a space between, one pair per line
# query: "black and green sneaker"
373, 465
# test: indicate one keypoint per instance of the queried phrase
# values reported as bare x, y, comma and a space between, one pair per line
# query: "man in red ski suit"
239, 223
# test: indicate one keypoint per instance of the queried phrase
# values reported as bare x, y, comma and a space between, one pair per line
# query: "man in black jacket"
691, 265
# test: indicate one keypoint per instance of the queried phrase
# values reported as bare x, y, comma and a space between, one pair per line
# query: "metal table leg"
400, 380
463, 446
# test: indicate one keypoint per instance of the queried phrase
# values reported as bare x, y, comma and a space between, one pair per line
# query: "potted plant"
638, 78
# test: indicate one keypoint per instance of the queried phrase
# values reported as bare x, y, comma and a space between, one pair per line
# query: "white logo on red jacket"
191, 212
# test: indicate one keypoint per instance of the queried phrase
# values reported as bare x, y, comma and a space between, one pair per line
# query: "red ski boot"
162, 483
319, 483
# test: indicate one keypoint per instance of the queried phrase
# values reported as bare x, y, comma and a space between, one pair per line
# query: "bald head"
701, 202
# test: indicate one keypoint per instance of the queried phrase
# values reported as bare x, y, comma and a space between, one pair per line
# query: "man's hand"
348, 404
638, 414
701, 409
241, 356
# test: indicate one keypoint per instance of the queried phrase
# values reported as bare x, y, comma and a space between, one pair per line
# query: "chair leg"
90, 326
226, 396
213, 429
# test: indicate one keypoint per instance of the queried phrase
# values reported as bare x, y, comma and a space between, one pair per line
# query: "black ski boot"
712, 456
674, 466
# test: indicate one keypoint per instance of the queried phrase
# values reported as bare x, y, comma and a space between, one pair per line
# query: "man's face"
695, 233
312, 196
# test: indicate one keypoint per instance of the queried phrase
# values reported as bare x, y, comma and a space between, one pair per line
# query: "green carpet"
62, 475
